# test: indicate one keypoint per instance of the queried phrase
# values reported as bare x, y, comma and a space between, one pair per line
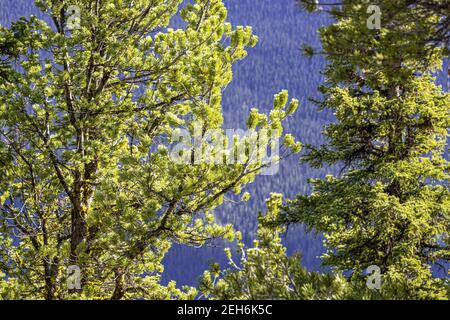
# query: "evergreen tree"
392, 10
389, 207
265, 271
86, 113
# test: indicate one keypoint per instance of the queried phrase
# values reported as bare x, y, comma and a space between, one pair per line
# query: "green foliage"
265, 271
86, 177
390, 206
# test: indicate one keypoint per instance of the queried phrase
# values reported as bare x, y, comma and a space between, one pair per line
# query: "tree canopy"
88, 110
389, 207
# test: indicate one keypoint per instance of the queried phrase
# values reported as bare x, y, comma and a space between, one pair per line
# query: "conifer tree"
88, 106
265, 271
389, 206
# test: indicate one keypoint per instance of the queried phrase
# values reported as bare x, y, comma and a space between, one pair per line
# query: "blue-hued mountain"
274, 64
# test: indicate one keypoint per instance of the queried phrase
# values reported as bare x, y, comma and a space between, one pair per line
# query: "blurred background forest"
276, 63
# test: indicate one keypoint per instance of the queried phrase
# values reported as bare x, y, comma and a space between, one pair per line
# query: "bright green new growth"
85, 179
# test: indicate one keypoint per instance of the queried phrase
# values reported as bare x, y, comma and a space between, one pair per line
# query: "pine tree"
389, 207
86, 115
265, 271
